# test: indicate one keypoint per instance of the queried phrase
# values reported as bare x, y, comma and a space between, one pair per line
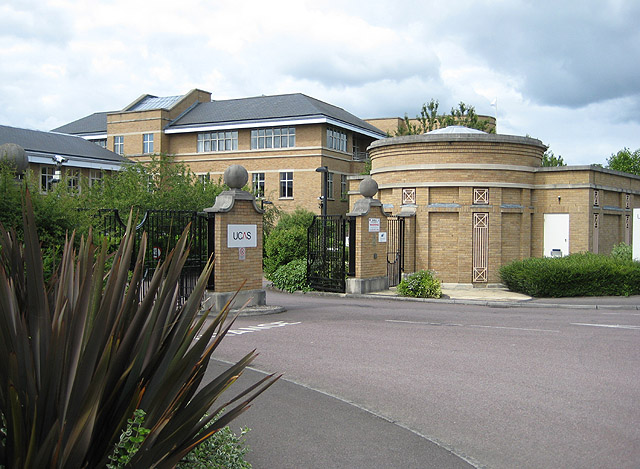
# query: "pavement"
493, 295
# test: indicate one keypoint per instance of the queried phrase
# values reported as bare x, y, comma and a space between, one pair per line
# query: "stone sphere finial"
15, 155
368, 187
236, 176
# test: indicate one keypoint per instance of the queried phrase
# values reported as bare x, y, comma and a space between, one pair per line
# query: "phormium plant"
82, 352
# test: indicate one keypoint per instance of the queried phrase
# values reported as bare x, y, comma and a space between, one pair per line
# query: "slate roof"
265, 108
41, 146
96, 123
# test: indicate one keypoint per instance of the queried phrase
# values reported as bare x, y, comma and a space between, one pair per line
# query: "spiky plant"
80, 354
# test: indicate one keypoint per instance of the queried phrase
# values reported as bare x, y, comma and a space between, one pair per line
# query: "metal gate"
163, 228
327, 252
395, 250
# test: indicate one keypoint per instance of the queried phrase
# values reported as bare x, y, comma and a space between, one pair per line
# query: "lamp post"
325, 188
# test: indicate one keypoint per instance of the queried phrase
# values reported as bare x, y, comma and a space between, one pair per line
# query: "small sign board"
242, 254
382, 237
242, 236
374, 225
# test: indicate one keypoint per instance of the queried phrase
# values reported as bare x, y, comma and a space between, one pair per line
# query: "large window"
257, 185
73, 178
343, 187
336, 139
46, 178
330, 185
273, 138
95, 177
286, 184
218, 141
118, 144
147, 143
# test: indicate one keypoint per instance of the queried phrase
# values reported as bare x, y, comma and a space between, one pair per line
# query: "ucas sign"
242, 236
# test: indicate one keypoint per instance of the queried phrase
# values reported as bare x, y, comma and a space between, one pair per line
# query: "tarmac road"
384, 383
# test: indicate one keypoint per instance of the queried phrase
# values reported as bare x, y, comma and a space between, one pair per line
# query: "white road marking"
514, 328
470, 325
613, 326
261, 327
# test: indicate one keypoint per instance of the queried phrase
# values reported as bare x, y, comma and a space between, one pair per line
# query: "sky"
564, 71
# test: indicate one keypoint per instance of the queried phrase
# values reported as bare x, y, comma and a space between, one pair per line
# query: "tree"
549, 159
429, 119
625, 160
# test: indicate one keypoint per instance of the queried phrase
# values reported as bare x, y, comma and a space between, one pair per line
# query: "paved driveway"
500, 388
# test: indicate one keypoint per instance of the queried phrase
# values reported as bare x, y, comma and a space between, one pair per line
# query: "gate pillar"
370, 242
238, 244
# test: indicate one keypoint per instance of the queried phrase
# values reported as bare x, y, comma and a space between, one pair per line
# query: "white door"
556, 234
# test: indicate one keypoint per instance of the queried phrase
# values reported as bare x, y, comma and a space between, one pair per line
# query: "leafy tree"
162, 183
549, 159
429, 119
287, 241
625, 160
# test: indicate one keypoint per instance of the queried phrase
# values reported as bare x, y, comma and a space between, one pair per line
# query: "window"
408, 196
286, 185
257, 185
101, 142
330, 185
336, 139
73, 178
46, 178
480, 196
343, 187
204, 178
147, 143
273, 138
218, 141
95, 177
118, 144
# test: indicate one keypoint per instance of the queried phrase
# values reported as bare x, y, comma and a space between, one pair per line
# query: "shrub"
622, 252
421, 284
584, 274
287, 241
224, 449
85, 350
292, 276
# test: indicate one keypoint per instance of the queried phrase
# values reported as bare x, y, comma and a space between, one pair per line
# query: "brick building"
280, 140
483, 200
81, 158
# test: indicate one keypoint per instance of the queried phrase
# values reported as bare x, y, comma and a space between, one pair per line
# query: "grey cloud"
566, 53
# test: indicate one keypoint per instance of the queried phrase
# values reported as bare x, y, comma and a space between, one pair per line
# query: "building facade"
74, 156
482, 200
281, 141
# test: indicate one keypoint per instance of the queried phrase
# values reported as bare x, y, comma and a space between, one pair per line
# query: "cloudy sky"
564, 71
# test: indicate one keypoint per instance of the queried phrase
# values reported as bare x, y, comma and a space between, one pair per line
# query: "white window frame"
95, 177
257, 184
118, 144
336, 139
330, 185
147, 143
286, 185
281, 137
46, 178
225, 140
73, 179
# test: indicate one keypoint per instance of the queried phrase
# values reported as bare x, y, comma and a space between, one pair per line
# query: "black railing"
164, 228
327, 253
395, 250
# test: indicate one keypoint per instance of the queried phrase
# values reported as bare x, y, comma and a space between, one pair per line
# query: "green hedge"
584, 274
421, 284
292, 276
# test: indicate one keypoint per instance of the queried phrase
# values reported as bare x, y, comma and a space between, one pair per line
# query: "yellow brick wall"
442, 235
229, 270
371, 255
